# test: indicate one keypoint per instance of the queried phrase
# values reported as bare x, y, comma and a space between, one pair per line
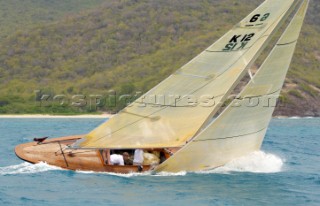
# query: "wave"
306, 117
27, 168
256, 162
136, 174
295, 117
309, 117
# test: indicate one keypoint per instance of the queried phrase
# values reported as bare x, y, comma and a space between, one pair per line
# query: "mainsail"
240, 129
172, 112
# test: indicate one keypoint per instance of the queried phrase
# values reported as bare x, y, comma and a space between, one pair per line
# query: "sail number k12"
238, 42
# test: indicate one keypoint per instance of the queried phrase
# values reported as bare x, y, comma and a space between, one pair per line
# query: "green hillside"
23, 14
131, 46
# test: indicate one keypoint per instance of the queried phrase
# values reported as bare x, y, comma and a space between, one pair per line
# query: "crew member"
127, 159
138, 157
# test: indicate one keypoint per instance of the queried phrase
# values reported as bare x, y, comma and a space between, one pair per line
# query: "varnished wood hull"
56, 152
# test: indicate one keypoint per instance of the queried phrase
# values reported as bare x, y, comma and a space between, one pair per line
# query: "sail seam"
287, 43
193, 75
203, 140
240, 98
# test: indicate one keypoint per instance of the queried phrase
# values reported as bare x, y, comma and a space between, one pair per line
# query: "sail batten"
241, 127
182, 103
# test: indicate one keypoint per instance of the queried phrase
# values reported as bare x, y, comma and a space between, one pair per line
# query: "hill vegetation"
130, 46
23, 14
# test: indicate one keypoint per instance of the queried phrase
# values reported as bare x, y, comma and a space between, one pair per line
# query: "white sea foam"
256, 162
182, 173
27, 168
115, 174
136, 174
295, 117
309, 117
160, 174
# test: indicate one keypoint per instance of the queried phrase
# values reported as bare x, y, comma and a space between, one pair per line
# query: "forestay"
173, 111
240, 129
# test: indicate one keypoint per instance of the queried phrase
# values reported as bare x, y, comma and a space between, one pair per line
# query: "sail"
240, 128
173, 111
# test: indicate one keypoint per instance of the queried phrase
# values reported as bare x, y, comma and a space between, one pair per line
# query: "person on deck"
138, 157
127, 159
116, 159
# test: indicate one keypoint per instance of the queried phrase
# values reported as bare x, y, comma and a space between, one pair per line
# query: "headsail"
240, 129
173, 111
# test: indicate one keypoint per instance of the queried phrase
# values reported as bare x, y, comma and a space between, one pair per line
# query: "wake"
256, 162
27, 168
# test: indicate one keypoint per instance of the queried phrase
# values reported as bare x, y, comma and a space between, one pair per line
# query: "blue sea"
285, 172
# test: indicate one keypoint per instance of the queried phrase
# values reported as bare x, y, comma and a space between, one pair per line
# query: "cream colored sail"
173, 111
240, 129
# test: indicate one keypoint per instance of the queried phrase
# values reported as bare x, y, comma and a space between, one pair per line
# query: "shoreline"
101, 116
44, 116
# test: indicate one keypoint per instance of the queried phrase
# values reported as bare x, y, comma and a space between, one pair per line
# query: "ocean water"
285, 172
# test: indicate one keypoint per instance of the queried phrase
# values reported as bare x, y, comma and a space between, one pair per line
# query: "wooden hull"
56, 152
